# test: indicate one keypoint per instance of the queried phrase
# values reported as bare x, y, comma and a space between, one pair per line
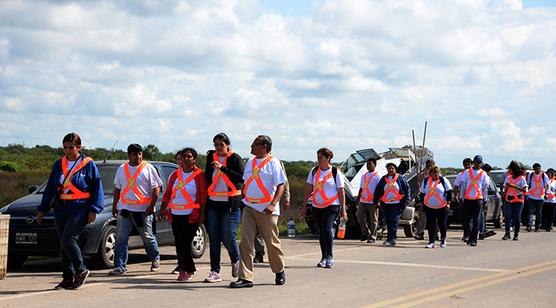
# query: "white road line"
419, 265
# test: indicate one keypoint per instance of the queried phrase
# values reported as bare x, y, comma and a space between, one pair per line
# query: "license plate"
25, 238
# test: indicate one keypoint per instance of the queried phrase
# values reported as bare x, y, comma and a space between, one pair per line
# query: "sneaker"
472, 244
386, 243
329, 263
516, 238
506, 237
117, 271
481, 236
537, 229
80, 279
443, 244
465, 239
528, 229
322, 263
184, 277
258, 259
235, 269
155, 265
65, 284
176, 270
431, 245
371, 240
212, 277
419, 237
363, 238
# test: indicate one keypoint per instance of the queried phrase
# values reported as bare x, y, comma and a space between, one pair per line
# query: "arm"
49, 191
115, 202
306, 195
279, 192
235, 169
203, 196
379, 191
342, 197
95, 188
405, 191
154, 198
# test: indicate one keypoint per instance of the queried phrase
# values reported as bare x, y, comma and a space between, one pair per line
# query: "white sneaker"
213, 277
443, 244
117, 271
431, 245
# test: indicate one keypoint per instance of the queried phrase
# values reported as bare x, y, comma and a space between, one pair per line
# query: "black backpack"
334, 172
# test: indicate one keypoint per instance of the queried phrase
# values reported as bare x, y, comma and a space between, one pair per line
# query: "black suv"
28, 238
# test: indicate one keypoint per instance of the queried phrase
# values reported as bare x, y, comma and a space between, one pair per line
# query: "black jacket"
234, 170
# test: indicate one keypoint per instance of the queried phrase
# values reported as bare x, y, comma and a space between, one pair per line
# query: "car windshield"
498, 177
107, 174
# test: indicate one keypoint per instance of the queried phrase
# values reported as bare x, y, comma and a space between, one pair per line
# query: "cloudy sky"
347, 74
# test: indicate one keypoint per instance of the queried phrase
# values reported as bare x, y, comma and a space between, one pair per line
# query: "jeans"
472, 210
144, 226
548, 215
222, 221
184, 232
535, 208
434, 217
482, 221
392, 213
325, 218
69, 225
512, 215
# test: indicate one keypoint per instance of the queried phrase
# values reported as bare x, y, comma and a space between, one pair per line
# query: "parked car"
28, 238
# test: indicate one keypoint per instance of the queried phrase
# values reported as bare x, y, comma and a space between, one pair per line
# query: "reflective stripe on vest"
391, 189
366, 195
433, 193
512, 191
255, 176
76, 194
318, 187
551, 194
131, 185
474, 185
219, 174
181, 187
539, 189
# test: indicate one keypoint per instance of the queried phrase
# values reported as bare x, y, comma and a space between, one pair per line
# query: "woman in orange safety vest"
436, 193
515, 188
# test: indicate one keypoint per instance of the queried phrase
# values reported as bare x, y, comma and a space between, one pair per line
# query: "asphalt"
496, 273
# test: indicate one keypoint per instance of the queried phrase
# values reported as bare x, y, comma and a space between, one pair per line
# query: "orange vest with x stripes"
75, 194
256, 177
390, 188
550, 194
318, 188
131, 185
539, 185
366, 195
233, 191
181, 187
433, 193
474, 186
512, 191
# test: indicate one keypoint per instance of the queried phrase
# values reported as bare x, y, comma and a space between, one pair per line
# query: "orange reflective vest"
255, 177
219, 174
391, 189
433, 193
366, 195
510, 191
318, 188
181, 187
474, 185
131, 181
550, 194
76, 194
539, 188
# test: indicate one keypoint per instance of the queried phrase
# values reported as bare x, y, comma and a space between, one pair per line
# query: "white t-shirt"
191, 189
551, 191
271, 176
63, 176
364, 198
457, 183
220, 185
391, 195
146, 181
441, 190
330, 187
533, 186
521, 183
482, 185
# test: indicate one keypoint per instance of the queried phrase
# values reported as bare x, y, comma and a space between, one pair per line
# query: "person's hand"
162, 215
40, 216
201, 218
91, 217
150, 210
286, 205
270, 208
216, 164
115, 211
448, 204
344, 214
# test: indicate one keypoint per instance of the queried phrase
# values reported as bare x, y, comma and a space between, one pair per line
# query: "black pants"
472, 209
392, 213
549, 210
325, 221
436, 217
184, 232
535, 208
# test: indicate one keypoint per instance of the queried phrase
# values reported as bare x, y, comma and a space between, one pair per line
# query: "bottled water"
291, 228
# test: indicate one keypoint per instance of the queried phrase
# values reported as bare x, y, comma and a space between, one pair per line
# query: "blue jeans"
325, 218
512, 215
69, 225
482, 221
535, 209
392, 213
222, 221
144, 226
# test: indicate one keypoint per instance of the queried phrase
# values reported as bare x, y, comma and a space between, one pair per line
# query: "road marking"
420, 265
467, 285
303, 255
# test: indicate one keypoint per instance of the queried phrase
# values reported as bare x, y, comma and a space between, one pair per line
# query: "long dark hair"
515, 168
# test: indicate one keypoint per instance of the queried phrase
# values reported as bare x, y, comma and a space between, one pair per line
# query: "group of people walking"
228, 192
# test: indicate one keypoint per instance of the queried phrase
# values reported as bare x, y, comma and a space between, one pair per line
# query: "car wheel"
104, 258
410, 230
199, 244
16, 261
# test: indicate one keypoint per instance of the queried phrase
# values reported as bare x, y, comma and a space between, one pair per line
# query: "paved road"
494, 274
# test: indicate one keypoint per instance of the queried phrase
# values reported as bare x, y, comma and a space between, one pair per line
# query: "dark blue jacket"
87, 179
404, 190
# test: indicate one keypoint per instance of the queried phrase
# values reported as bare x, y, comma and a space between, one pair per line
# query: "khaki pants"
251, 221
370, 228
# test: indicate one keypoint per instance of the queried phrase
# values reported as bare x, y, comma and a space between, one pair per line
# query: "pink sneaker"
213, 277
184, 277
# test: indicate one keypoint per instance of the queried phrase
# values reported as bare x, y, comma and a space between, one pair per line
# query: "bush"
9, 166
